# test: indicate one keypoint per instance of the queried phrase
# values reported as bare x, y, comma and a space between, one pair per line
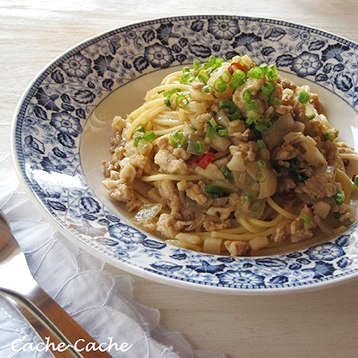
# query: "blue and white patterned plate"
62, 116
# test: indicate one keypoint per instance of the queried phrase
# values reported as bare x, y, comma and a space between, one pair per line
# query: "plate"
61, 134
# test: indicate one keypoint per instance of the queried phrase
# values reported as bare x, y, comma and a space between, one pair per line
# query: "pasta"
228, 157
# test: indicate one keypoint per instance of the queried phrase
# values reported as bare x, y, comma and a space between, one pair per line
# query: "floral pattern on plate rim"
54, 111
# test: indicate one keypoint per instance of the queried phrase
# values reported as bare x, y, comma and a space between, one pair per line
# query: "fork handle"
42, 328
60, 322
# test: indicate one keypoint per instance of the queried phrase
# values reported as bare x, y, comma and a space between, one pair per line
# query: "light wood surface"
311, 324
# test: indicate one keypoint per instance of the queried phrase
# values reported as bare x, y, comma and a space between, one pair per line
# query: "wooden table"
310, 324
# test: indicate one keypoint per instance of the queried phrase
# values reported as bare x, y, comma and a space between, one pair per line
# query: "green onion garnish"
215, 191
235, 115
267, 89
303, 97
227, 104
187, 78
256, 72
252, 106
227, 173
149, 136
306, 218
330, 135
249, 121
212, 122
247, 95
203, 77
211, 132
261, 176
167, 102
275, 102
272, 73
355, 182
199, 146
139, 129
177, 138
246, 198
339, 197
196, 65
222, 132
239, 79
261, 144
262, 126
137, 140
207, 89
261, 164
182, 101
220, 85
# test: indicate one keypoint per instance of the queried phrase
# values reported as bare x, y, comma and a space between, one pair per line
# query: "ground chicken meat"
122, 192
319, 186
236, 248
221, 213
285, 185
246, 150
169, 226
212, 226
169, 164
170, 196
301, 228
196, 192
285, 152
281, 234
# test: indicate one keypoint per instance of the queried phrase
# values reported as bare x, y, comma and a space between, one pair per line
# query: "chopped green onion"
182, 101
247, 95
207, 89
226, 76
235, 115
227, 104
215, 191
227, 173
306, 218
212, 122
186, 69
256, 72
330, 135
139, 129
222, 132
196, 65
239, 78
203, 77
211, 132
261, 164
261, 144
267, 89
275, 102
247, 198
220, 85
272, 73
262, 126
339, 197
199, 146
252, 106
137, 140
261, 176
336, 215
177, 138
310, 111
187, 78
303, 97
167, 102
355, 182
249, 121
149, 136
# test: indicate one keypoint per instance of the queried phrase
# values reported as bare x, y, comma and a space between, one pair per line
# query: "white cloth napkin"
100, 301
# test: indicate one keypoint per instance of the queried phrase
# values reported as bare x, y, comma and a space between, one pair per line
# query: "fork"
50, 321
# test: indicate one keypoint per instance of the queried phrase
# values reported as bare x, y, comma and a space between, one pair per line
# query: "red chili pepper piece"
206, 160
235, 66
197, 159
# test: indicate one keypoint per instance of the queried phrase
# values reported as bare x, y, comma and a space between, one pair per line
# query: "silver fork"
50, 321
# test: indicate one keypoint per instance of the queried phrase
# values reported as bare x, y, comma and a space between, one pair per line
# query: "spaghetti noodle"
228, 157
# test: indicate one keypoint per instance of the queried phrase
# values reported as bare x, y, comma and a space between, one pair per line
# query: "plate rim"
172, 281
